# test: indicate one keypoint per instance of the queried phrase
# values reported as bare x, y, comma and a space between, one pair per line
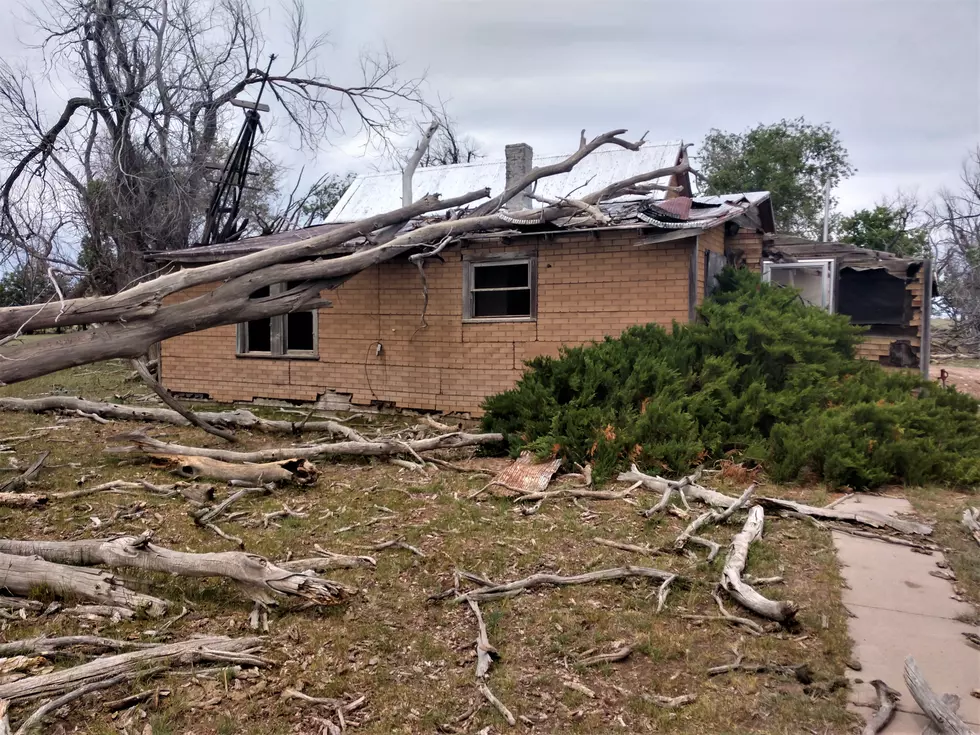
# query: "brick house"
495, 300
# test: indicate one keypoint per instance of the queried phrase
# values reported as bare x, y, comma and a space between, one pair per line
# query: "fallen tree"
141, 316
262, 580
294, 470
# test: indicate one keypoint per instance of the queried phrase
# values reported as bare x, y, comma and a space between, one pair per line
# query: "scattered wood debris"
971, 519
887, 704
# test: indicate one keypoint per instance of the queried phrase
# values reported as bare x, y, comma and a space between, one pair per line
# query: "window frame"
502, 259
277, 336
828, 277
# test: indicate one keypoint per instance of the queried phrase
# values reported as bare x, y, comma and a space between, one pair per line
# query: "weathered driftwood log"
512, 589
940, 711
24, 573
259, 578
167, 397
49, 646
731, 576
370, 448
887, 704
22, 500
237, 419
690, 488
53, 705
19, 482
865, 517
971, 519
712, 517
296, 470
134, 664
485, 653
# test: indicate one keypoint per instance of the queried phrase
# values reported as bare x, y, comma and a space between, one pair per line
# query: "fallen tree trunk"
731, 576
295, 470
942, 715
24, 573
259, 578
22, 500
865, 517
133, 664
237, 419
369, 448
715, 516
47, 647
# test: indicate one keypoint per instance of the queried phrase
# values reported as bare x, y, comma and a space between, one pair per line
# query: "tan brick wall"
589, 286
746, 247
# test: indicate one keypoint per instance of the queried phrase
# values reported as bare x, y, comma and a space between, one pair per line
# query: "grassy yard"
414, 659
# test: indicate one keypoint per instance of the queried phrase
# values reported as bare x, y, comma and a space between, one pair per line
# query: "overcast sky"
900, 79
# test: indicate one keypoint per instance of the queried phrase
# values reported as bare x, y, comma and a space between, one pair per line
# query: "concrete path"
899, 609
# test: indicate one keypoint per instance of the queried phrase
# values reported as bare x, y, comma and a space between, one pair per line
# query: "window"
289, 335
813, 278
500, 289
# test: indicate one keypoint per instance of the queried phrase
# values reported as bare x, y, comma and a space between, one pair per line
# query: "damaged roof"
791, 248
663, 219
371, 194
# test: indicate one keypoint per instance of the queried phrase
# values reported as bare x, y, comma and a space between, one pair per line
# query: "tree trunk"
238, 419
298, 471
865, 517
366, 448
731, 576
261, 580
132, 664
24, 574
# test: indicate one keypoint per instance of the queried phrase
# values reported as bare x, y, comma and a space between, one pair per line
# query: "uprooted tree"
134, 319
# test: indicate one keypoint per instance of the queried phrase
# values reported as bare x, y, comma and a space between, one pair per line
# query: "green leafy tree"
885, 228
792, 159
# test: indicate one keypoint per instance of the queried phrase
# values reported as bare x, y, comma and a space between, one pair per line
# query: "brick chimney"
519, 158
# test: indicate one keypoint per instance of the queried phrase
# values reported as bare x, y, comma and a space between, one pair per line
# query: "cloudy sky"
900, 79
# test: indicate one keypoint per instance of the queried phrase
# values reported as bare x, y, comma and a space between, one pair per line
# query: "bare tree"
955, 241
136, 318
125, 161
449, 146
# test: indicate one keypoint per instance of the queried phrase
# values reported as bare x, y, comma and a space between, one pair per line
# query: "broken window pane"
259, 336
502, 303
512, 275
299, 332
873, 296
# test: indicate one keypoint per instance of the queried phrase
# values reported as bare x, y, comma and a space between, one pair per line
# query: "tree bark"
731, 577
132, 665
23, 573
259, 578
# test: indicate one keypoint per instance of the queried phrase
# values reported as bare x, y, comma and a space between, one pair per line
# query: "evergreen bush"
760, 377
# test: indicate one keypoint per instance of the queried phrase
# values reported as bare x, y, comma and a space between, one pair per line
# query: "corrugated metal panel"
527, 476
372, 194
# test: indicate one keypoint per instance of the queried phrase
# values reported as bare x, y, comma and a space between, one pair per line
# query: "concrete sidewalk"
899, 609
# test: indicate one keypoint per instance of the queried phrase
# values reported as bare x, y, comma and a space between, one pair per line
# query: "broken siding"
589, 286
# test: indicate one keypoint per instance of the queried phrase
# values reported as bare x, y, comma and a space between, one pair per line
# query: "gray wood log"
940, 712
887, 704
259, 578
731, 576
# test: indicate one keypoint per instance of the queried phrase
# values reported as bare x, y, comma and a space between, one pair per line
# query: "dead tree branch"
939, 711
15, 484
167, 397
887, 704
731, 578
971, 520
512, 589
